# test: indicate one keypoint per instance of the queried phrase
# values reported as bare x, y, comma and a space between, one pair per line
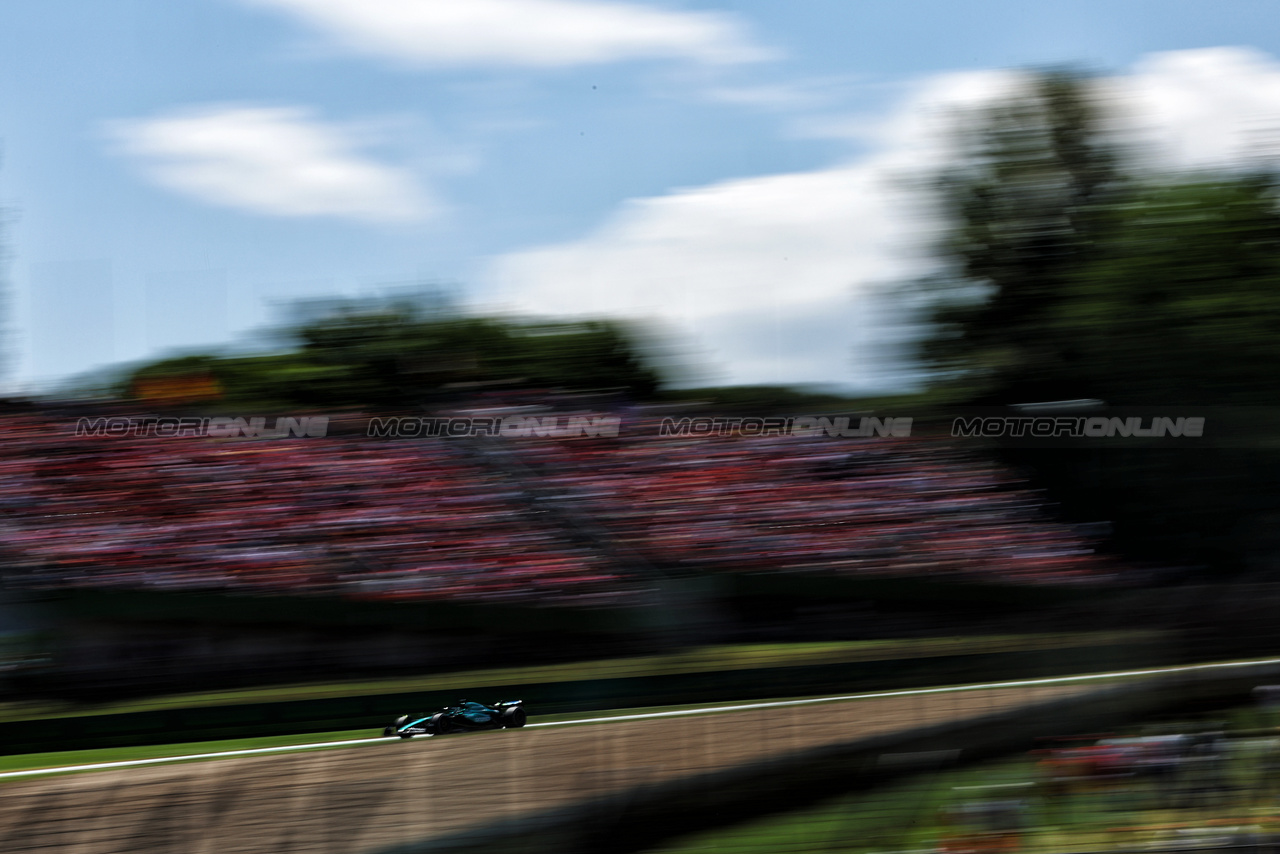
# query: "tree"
1181, 307
1066, 278
379, 356
1026, 205
1180, 301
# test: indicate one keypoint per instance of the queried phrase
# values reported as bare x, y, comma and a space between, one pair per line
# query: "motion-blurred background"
362, 355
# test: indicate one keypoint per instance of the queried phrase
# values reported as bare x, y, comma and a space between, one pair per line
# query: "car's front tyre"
514, 717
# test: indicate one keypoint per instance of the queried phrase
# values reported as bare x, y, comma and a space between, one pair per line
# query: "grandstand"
542, 520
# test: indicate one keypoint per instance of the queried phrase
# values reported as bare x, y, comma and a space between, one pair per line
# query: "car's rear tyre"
514, 717
440, 724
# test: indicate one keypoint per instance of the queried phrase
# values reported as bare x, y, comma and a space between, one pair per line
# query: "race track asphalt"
367, 796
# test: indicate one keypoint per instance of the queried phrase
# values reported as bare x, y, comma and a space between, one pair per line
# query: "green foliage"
390, 356
1065, 278
1027, 205
1181, 301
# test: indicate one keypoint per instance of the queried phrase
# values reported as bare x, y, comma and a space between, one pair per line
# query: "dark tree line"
1071, 273
376, 356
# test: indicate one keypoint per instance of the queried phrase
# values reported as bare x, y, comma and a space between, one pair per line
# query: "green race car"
466, 716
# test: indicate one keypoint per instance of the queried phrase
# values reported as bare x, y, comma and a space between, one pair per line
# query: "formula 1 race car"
464, 717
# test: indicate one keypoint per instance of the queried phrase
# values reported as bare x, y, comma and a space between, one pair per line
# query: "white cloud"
765, 272
539, 33
777, 277
277, 161
1199, 109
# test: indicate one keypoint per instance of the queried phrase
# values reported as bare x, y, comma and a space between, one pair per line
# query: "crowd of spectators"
440, 518
883, 506
366, 518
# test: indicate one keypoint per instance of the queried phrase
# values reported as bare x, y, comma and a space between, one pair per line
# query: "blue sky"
732, 173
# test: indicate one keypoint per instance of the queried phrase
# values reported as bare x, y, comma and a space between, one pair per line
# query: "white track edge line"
1019, 683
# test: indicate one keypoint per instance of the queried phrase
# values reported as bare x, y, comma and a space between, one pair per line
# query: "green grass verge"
53, 761
898, 817
920, 813
698, 660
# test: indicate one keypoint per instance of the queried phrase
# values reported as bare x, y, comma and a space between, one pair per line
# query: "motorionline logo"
309, 426
841, 426
513, 426
1075, 427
